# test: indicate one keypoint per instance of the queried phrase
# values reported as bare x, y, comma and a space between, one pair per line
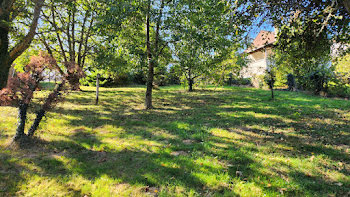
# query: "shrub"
20, 91
90, 79
339, 86
240, 81
106, 80
291, 82
319, 80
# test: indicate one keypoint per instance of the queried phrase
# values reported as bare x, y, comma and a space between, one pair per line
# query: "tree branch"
86, 42
58, 35
82, 38
22, 46
42, 39
156, 42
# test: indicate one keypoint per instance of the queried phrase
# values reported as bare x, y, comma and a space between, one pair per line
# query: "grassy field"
224, 142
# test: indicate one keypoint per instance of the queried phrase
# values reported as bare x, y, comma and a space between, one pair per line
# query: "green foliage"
329, 17
319, 80
24, 59
133, 77
90, 79
299, 50
306, 31
343, 65
206, 45
339, 86
230, 62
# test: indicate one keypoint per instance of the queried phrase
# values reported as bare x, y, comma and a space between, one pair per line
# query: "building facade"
258, 54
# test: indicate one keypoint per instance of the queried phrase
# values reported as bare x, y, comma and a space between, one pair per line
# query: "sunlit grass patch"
227, 141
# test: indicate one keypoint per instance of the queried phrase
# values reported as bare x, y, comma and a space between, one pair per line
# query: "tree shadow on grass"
9, 174
201, 113
131, 166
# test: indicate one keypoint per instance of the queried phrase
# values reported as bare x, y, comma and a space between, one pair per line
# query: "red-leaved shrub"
20, 90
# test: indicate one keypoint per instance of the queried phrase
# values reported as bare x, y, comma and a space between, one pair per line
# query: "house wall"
254, 69
258, 63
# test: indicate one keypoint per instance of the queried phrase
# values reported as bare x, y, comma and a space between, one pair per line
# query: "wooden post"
97, 88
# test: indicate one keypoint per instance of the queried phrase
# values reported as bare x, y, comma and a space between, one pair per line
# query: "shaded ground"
231, 141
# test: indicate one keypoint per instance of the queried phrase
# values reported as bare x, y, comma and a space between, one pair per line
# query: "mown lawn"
224, 142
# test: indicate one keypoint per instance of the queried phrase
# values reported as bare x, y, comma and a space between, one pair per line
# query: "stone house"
258, 54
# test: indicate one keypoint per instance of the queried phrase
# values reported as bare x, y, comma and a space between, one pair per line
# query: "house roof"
264, 38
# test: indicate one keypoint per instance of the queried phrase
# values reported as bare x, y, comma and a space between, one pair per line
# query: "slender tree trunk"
272, 94
190, 85
149, 85
97, 88
39, 116
148, 100
22, 116
152, 58
45, 107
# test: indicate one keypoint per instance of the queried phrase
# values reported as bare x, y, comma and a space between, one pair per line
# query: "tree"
154, 48
20, 92
148, 16
300, 51
331, 15
16, 13
306, 32
165, 22
204, 33
228, 64
67, 33
324, 17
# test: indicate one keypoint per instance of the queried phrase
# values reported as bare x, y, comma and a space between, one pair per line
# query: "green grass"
224, 142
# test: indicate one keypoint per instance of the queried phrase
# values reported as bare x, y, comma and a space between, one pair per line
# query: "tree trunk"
148, 100
39, 116
74, 82
4, 53
152, 58
4, 69
22, 116
149, 85
190, 85
272, 94
8, 56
